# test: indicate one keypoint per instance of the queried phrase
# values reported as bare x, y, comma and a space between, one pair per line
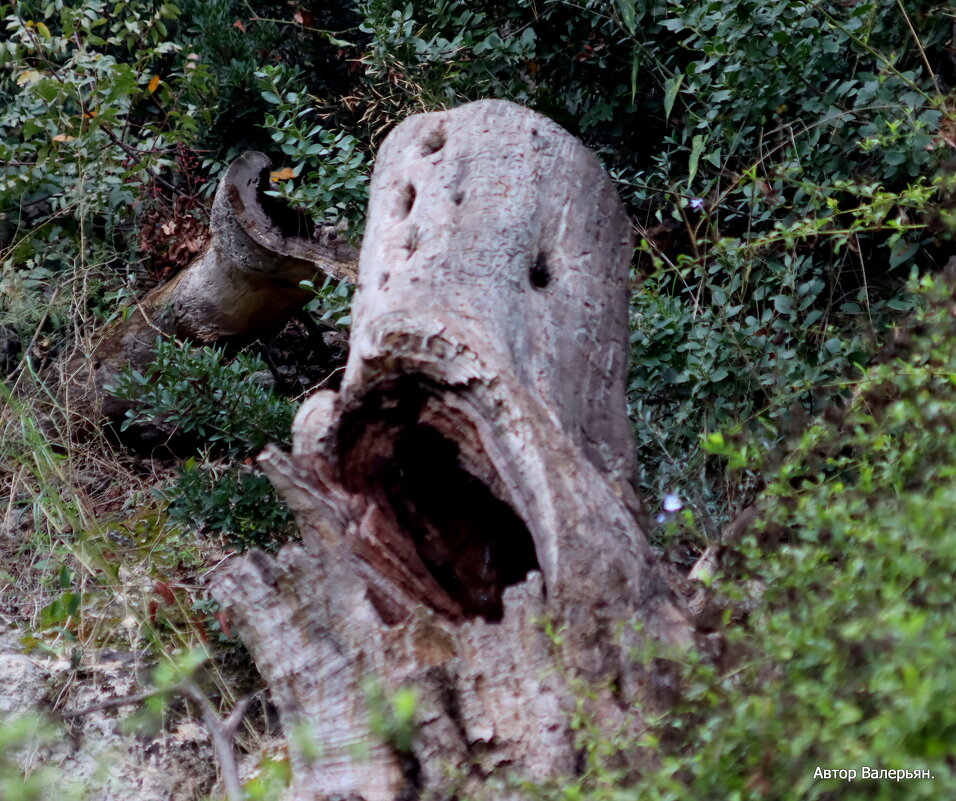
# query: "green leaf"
902, 252
628, 15
47, 88
696, 148
714, 443
783, 304
635, 69
901, 305
404, 704
671, 88
66, 577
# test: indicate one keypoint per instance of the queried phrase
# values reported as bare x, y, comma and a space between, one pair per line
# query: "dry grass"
80, 519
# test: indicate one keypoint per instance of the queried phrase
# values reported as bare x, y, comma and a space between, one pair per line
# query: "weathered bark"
245, 284
468, 489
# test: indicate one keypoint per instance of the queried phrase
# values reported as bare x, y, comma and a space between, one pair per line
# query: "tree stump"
244, 285
469, 527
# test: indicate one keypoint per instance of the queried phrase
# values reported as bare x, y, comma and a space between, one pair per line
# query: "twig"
223, 734
919, 46
315, 332
134, 154
284, 386
329, 35
112, 703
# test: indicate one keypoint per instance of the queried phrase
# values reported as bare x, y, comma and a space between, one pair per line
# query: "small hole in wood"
540, 274
458, 197
383, 280
433, 142
411, 242
407, 201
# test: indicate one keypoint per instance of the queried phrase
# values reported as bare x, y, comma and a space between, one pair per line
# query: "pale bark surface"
245, 284
468, 489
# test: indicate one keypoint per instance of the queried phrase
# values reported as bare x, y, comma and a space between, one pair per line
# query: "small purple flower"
696, 203
672, 503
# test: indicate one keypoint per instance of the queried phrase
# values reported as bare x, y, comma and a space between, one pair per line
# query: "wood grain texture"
469, 487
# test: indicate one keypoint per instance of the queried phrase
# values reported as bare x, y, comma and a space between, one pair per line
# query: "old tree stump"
469, 527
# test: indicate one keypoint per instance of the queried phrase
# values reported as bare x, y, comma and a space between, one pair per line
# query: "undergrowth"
198, 394
95, 564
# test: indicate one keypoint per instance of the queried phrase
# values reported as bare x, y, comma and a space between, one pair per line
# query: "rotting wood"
469, 487
244, 285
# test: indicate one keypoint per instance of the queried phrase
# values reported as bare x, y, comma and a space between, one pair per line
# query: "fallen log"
243, 286
469, 527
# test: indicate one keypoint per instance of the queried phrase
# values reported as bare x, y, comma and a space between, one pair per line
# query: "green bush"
114, 114
235, 40
237, 502
197, 392
97, 109
855, 614
799, 174
332, 168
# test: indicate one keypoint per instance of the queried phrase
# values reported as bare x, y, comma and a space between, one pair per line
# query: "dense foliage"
201, 396
787, 165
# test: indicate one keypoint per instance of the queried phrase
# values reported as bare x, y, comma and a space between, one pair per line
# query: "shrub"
235, 501
115, 121
331, 165
234, 41
197, 391
97, 108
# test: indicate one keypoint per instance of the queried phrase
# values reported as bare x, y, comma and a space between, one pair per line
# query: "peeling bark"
244, 285
469, 488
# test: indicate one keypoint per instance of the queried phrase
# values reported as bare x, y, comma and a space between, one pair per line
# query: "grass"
91, 564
